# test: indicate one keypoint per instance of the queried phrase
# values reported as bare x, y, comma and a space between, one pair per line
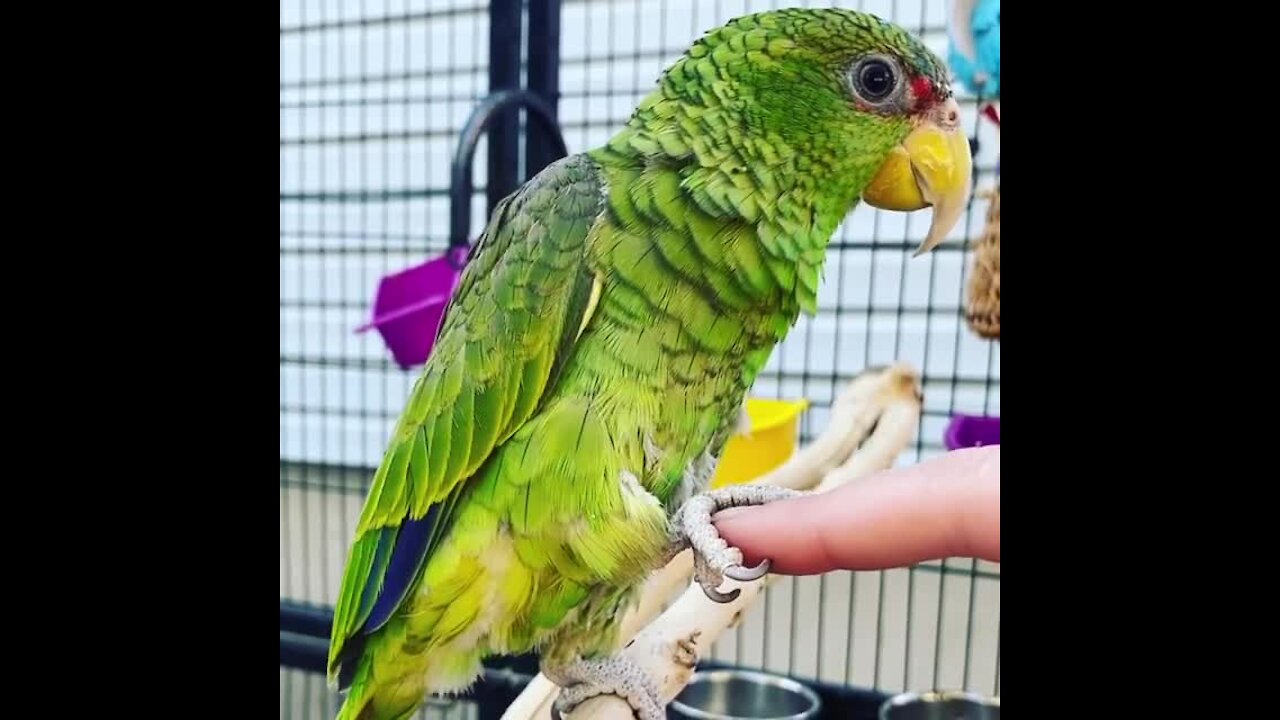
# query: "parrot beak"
931, 168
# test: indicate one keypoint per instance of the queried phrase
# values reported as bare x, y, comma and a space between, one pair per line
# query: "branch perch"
871, 422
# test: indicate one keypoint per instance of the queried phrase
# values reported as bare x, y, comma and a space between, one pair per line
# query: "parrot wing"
521, 304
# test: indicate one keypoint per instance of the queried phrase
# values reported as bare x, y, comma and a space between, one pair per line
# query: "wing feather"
513, 322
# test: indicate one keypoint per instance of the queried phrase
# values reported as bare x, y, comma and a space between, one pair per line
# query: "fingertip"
946, 506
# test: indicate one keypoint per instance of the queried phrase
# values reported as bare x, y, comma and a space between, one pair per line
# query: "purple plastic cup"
967, 431
409, 305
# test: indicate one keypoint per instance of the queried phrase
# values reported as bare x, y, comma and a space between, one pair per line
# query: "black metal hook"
460, 186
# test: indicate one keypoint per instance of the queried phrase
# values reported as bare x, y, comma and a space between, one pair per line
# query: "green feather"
442, 425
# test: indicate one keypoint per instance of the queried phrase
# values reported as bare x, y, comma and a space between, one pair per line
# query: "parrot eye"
875, 79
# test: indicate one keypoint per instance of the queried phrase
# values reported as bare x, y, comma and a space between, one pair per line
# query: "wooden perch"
871, 422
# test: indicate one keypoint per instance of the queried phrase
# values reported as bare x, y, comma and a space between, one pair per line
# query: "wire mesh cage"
373, 94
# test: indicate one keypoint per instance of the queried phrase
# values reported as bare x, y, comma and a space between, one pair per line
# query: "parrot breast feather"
513, 322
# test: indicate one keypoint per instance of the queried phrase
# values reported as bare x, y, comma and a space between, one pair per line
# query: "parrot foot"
615, 675
713, 558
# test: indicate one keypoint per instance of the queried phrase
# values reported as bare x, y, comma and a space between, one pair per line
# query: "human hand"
948, 506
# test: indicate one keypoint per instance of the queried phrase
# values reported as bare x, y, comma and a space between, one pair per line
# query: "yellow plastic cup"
774, 435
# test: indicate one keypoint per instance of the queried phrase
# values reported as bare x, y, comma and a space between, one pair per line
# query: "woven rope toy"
982, 309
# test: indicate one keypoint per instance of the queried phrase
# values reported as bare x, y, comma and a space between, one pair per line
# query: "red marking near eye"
922, 90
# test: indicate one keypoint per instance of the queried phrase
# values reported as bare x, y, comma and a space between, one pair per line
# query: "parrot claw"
745, 574
615, 675
713, 558
717, 596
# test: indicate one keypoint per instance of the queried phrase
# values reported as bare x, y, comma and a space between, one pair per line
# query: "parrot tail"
396, 692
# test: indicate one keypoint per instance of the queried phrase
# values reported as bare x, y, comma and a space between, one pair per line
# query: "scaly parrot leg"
713, 558
616, 675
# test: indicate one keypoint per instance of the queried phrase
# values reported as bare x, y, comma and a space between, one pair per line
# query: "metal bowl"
940, 706
744, 695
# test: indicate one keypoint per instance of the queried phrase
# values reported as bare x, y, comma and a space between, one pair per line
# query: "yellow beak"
932, 167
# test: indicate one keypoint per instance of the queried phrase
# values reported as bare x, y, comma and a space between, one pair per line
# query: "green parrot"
596, 354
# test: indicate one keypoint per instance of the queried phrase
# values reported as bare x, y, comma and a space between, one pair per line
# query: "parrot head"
821, 107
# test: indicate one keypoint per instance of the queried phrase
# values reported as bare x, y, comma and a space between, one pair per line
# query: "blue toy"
975, 45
